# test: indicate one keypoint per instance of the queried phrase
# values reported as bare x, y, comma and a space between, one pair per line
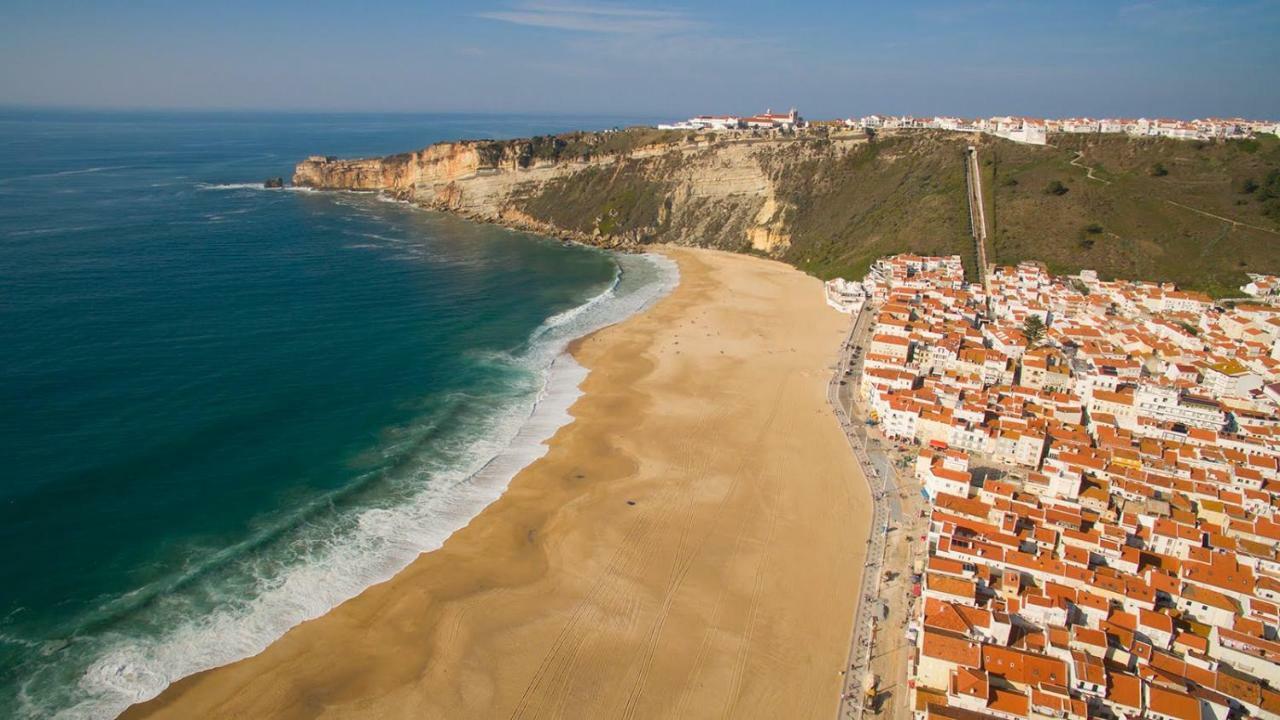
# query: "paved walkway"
884, 601
977, 215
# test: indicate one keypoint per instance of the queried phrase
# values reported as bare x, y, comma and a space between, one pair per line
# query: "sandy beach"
690, 546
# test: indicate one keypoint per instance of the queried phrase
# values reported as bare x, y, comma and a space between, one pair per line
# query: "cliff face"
695, 192
438, 164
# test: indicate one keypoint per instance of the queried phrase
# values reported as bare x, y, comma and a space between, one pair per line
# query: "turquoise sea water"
223, 409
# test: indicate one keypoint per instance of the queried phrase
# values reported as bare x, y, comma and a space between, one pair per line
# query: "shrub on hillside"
1270, 185
1055, 187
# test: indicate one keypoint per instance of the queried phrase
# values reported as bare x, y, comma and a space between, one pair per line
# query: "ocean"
225, 409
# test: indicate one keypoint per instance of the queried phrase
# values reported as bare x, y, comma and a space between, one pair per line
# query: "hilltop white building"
769, 120
705, 122
1018, 129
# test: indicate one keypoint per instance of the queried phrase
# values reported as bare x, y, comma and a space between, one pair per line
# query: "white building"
706, 122
1023, 130
944, 472
847, 296
1166, 404
1261, 286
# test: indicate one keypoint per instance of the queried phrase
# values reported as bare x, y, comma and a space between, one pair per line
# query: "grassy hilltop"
1149, 212
895, 194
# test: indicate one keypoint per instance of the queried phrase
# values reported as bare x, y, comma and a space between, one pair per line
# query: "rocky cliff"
831, 202
686, 189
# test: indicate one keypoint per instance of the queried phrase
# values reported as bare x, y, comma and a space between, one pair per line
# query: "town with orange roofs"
1097, 464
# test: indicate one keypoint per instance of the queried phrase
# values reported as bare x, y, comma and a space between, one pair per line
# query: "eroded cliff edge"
830, 201
673, 188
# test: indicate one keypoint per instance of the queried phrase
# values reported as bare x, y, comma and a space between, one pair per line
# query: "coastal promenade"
884, 602
852, 699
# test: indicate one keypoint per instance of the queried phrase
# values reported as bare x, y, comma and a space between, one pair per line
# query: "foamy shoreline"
690, 542
390, 539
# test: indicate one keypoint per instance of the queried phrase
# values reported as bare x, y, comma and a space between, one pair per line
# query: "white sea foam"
376, 236
250, 186
50, 230
63, 173
230, 186
383, 540
567, 317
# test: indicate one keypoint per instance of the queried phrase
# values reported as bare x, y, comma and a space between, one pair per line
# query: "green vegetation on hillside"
903, 193
1148, 212
575, 145
600, 200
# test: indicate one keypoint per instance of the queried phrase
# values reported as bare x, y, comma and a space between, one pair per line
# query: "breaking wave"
455, 461
251, 186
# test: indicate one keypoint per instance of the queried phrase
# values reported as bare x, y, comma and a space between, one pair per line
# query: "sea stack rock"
275, 182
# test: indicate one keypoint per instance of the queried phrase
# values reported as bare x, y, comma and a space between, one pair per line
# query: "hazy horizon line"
177, 109
5, 107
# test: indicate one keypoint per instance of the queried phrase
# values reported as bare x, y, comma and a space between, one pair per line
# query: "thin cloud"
1138, 7
592, 18
1186, 16
948, 13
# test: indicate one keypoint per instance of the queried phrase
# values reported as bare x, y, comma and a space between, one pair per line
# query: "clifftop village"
1101, 465
1034, 131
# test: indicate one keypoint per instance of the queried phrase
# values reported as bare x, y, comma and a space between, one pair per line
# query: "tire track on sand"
570, 638
700, 464
740, 666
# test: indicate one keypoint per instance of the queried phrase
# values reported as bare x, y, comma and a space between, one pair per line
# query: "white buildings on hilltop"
1024, 130
1035, 131
768, 120
705, 122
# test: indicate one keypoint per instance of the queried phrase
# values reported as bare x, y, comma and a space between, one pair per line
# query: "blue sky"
1182, 58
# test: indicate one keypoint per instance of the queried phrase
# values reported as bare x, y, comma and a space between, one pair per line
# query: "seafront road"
878, 644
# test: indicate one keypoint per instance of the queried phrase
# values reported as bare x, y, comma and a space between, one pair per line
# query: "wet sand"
690, 546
